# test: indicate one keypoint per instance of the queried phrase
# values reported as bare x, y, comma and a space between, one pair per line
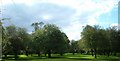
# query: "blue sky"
69, 15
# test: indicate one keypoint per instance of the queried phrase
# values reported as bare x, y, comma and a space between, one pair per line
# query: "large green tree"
25, 39
3, 37
54, 41
38, 40
17, 38
113, 39
91, 38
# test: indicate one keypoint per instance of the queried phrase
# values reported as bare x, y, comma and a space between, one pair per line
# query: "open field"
66, 57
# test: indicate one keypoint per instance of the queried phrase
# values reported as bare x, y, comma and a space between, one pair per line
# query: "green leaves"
37, 25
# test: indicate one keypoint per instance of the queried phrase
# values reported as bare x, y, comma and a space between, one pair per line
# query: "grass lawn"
66, 57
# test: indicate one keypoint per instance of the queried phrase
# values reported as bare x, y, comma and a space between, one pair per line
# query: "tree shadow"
45, 57
24, 58
81, 57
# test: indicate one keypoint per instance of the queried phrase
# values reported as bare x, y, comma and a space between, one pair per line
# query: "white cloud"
93, 9
115, 24
73, 30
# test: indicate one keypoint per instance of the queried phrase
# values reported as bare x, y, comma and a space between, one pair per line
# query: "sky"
69, 15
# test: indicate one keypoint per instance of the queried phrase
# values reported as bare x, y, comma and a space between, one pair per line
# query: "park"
67, 57
59, 30
48, 43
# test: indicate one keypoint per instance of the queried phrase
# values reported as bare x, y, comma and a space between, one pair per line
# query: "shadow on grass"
78, 57
37, 58
24, 58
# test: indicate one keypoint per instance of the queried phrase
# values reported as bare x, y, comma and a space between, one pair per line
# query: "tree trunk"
104, 52
81, 52
114, 53
26, 53
16, 55
73, 53
95, 51
49, 53
38, 53
88, 52
5, 55
31, 53
45, 54
92, 52
61, 54
108, 52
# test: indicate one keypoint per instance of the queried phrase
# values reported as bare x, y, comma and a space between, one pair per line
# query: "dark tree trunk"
73, 53
92, 52
95, 51
88, 52
114, 53
49, 53
61, 54
81, 52
16, 56
31, 53
100, 53
38, 53
45, 54
5, 55
104, 52
108, 53
26, 53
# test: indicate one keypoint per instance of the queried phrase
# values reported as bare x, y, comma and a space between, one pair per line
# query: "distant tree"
74, 46
113, 39
37, 25
67, 42
103, 42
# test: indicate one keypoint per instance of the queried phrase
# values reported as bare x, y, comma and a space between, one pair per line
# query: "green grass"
66, 57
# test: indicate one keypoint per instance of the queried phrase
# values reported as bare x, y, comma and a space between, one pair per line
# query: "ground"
66, 57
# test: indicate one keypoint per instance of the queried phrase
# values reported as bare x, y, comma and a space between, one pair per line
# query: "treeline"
48, 39
45, 39
96, 40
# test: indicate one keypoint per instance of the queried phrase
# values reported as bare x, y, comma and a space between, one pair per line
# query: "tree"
12, 35
38, 41
66, 45
90, 37
16, 37
25, 39
113, 39
74, 46
37, 25
54, 39
63, 44
3, 38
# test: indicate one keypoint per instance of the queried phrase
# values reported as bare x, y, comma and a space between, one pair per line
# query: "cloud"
69, 15
115, 24
23, 15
